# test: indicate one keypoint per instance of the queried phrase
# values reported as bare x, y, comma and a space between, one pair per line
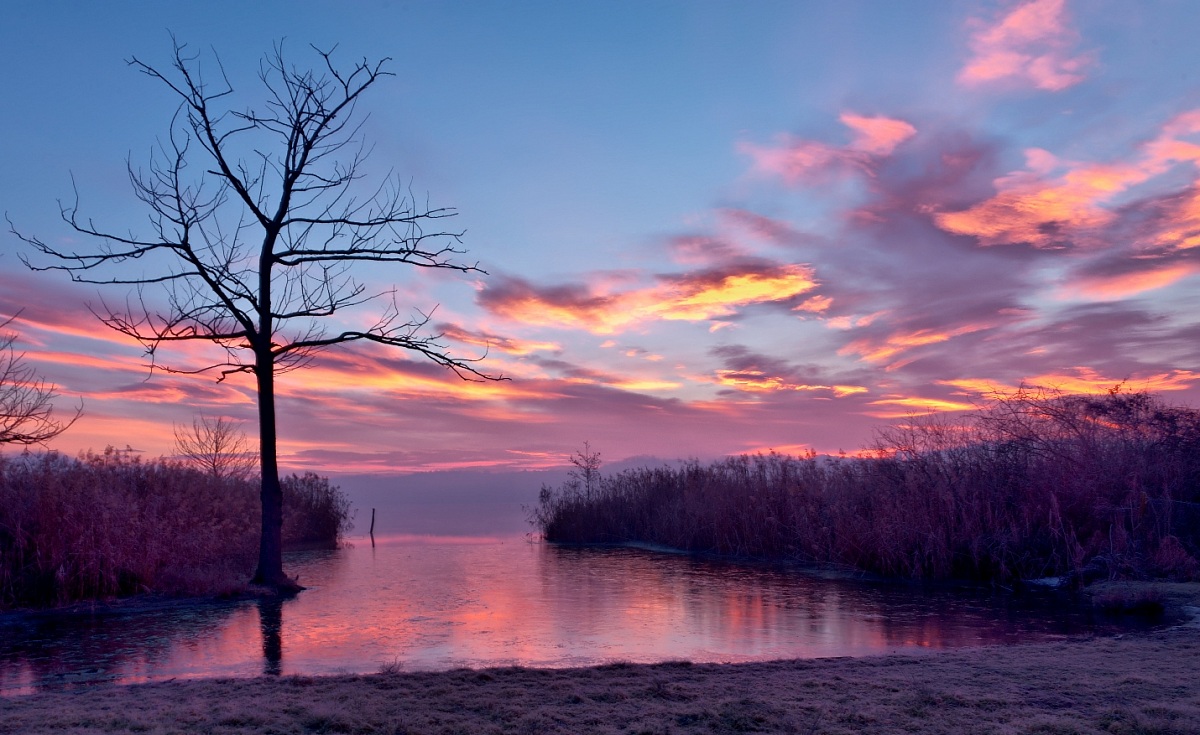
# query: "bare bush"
26, 401
216, 446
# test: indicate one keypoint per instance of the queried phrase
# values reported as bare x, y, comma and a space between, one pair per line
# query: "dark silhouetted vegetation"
1031, 485
26, 401
108, 525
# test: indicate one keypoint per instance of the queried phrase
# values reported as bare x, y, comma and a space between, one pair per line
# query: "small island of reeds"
1032, 485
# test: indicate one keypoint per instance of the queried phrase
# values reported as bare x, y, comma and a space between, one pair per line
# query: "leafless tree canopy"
258, 217
26, 401
216, 446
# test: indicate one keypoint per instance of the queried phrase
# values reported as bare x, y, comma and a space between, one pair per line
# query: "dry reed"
1032, 485
108, 525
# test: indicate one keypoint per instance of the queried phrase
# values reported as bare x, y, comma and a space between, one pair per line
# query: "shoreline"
1140, 682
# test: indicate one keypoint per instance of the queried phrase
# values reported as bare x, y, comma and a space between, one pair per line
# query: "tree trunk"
270, 548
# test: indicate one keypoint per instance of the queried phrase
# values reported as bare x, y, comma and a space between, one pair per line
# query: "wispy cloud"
1031, 44
1081, 380
482, 338
895, 343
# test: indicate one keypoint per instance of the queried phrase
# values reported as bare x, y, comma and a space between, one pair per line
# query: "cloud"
747, 371
1082, 380
509, 345
692, 297
803, 161
770, 229
703, 250
902, 406
1148, 277
876, 136
1073, 209
874, 349
1030, 45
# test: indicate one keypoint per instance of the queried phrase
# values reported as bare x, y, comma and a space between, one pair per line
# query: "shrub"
316, 514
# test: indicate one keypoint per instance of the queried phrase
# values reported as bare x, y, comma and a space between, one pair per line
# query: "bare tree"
26, 401
216, 446
257, 219
587, 469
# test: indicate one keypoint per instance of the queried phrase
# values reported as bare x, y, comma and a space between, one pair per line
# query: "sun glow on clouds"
899, 407
1124, 285
693, 297
758, 381
1031, 44
1082, 380
1034, 208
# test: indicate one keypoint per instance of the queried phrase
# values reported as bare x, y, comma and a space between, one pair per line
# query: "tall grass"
110, 524
1034, 484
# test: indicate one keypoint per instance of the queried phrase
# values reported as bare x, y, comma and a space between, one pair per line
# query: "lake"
424, 602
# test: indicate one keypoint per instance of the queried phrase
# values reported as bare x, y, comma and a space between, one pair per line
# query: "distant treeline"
1034, 484
105, 525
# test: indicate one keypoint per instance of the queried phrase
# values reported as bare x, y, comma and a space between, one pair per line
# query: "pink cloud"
877, 135
796, 160
1031, 44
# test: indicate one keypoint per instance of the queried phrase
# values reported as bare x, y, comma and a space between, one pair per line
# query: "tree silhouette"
257, 218
215, 446
26, 401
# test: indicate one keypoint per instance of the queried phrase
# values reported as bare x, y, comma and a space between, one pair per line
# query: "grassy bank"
1138, 684
107, 525
1033, 485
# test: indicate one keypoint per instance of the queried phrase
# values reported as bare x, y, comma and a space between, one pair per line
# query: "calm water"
443, 603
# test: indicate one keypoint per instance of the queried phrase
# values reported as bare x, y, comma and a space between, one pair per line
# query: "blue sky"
709, 227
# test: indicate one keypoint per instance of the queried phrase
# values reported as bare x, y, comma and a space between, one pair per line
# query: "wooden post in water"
372, 531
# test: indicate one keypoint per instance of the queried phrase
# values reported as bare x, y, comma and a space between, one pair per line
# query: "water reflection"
441, 603
270, 620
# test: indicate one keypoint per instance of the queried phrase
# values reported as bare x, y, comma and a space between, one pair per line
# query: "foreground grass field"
1144, 683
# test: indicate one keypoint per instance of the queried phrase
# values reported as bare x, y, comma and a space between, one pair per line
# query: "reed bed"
1031, 485
110, 524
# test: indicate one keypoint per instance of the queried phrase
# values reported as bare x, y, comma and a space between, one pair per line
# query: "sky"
707, 228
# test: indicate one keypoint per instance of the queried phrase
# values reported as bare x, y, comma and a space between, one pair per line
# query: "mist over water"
423, 602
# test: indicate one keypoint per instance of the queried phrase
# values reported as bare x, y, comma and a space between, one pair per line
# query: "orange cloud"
872, 350
912, 405
1081, 380
758, 381
694, 297
1030, 44
1047, 212
1104, 288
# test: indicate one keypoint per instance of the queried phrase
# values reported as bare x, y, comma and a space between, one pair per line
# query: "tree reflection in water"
270, 620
